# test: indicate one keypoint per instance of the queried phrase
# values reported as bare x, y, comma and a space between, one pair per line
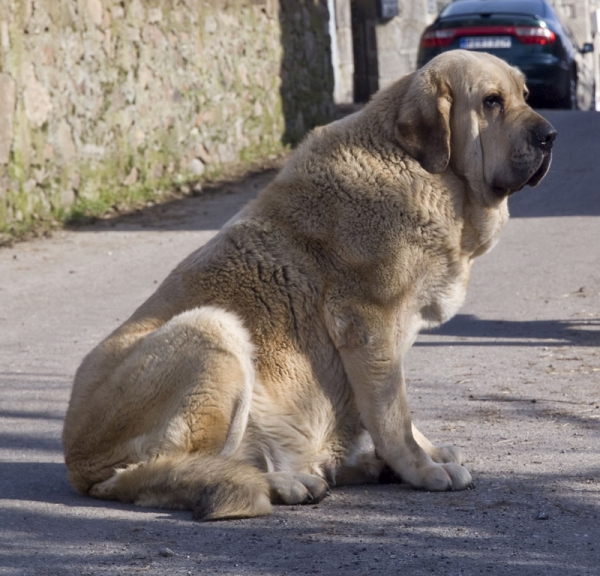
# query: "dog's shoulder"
354, 189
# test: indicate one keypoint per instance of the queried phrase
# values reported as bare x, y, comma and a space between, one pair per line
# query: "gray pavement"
514, 379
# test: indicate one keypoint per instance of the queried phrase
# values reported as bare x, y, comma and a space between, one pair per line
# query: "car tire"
569, 101
593, 102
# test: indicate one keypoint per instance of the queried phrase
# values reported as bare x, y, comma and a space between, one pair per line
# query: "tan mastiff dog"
268, 365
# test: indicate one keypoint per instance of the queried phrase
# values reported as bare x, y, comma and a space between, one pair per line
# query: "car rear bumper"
548, 80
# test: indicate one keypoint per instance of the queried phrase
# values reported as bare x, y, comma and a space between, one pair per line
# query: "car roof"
533, 7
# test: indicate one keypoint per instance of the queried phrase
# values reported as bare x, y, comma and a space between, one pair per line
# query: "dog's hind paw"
291, 488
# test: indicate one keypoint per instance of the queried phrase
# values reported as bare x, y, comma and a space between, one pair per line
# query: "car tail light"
526, 34
534, 35
438, 38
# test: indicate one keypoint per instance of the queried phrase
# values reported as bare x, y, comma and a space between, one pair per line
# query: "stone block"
343, 14
95, 11
158, 171
64, 143
145, 77
226, 153
93, 151
7, 111
154, 35
4, 36
23, 13
36, 98
117, 12
67, 197
138, 137
108, 44
48, 152
131, 178
196, 167
243, 74
210, 24
155, 15
136, 11
48, 57
202, 153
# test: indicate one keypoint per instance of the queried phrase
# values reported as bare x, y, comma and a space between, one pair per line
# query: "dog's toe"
446, 453
316, 486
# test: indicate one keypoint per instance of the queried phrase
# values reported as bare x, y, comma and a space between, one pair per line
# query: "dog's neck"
483, 223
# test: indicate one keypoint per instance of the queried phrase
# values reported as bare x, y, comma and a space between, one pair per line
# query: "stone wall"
101, 97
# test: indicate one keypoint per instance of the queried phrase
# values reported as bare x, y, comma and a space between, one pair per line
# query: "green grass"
118, 199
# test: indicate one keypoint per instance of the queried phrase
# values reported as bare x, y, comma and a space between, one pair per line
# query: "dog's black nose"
544, 135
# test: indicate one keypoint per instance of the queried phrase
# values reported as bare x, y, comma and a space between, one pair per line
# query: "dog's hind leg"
215, 488
161, 428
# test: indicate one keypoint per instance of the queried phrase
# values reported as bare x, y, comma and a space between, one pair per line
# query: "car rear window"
467, 20
532, 7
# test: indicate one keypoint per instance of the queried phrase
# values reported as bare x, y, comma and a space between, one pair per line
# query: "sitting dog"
268, 365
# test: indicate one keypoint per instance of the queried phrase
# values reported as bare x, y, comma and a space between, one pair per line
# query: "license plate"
485, 42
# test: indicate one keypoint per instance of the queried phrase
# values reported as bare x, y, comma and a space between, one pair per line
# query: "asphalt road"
514, 379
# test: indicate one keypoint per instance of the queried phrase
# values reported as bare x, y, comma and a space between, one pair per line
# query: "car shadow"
483, 332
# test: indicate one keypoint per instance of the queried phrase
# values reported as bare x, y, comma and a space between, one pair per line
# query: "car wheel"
593, 102
569, 102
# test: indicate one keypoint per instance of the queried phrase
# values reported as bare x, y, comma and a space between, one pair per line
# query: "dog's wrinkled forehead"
478, 72
508, 78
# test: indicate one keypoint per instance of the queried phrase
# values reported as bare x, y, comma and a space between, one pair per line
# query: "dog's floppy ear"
423, 123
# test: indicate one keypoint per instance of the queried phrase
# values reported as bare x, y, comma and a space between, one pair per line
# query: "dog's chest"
442, 301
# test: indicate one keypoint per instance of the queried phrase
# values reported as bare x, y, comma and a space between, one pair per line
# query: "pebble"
542, 516
166, 552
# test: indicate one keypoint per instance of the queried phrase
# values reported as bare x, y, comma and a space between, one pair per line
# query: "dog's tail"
215, 488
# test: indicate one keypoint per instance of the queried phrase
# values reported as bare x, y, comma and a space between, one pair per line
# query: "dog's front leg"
371, 347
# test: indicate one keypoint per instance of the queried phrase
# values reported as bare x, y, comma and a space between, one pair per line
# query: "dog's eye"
494, 100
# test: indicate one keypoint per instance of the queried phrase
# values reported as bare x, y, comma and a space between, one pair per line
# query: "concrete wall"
577, 14
398, 39
340, 28
101, 97
371, 53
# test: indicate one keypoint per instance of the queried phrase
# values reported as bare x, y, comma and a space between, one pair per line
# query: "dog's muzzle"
543, 136
542, 170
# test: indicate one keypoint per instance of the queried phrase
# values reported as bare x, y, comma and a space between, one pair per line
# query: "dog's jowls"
268, 365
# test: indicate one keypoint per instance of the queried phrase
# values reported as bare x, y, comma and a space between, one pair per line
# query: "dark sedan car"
527, 34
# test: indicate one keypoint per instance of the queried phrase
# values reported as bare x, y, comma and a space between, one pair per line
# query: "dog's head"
467, 111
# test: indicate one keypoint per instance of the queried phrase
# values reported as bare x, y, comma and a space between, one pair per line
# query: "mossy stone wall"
102, 97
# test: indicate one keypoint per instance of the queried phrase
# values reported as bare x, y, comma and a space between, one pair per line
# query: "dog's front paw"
440, 477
